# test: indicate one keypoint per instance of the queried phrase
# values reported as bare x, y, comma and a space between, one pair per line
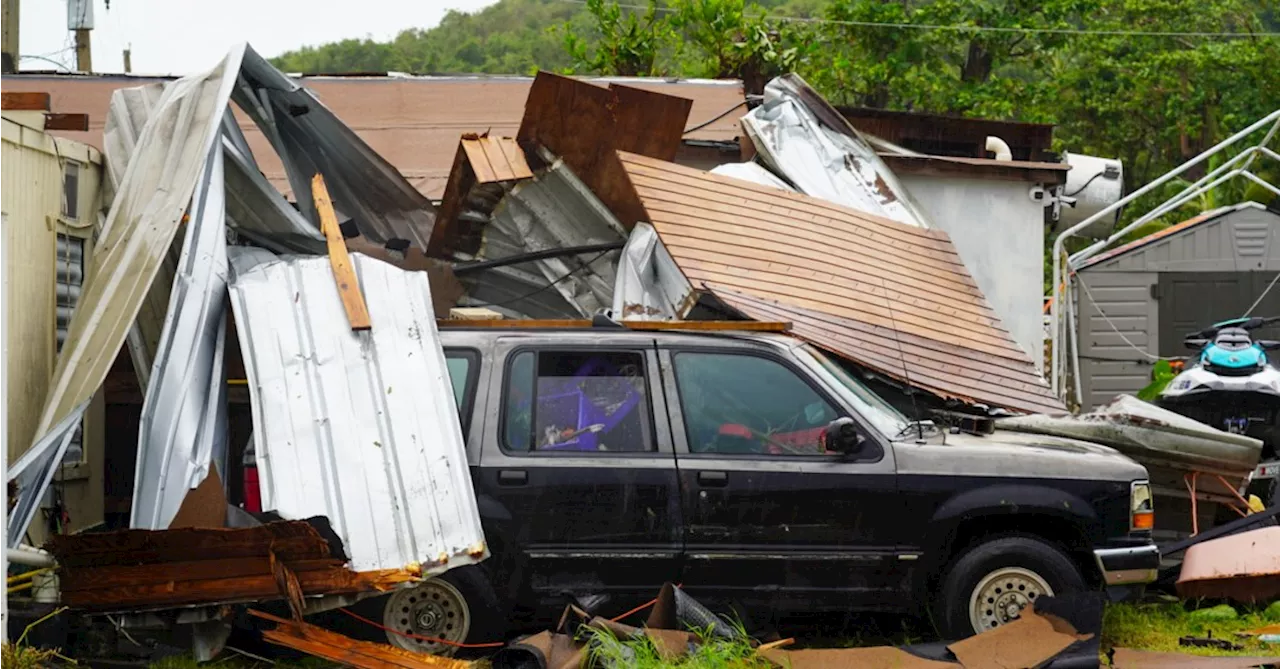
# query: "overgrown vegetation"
1158, 627
714, 653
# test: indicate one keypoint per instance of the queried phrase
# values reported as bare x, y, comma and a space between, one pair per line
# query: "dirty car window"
582, 401
746, 404
459, 365
870, 405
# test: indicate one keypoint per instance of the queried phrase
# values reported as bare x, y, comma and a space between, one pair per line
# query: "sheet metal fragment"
357, 427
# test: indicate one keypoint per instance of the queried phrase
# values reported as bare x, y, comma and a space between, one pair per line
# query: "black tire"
970, 568
488, 622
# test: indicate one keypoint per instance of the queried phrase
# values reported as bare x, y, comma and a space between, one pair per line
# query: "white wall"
999, 232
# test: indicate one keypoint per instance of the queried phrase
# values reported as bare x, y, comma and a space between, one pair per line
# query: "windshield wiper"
917, 427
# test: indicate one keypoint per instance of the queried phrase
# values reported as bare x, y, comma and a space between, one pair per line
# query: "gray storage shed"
1139, 300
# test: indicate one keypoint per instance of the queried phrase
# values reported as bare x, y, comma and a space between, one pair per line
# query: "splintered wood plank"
322, 643
339, 258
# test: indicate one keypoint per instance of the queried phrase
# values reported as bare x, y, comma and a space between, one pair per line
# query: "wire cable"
715, 118
983, 29
1263, 295
530, 294
1142, 351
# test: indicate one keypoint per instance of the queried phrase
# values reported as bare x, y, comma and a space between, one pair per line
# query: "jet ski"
1232, 385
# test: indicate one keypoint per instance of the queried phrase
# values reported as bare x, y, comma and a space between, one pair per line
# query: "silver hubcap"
434, 609
1001, 596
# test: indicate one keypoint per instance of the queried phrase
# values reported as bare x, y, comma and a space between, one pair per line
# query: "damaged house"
283, 424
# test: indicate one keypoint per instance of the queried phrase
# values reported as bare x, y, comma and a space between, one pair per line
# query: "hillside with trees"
1151, 82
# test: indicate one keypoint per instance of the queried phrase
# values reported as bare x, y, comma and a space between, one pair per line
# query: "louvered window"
70, 277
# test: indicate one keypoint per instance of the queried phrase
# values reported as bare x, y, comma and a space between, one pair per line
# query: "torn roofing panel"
584, 124
144, 218
357, 427
484, 169
309, 138
807, 141
34, 470
182, 433
875, 291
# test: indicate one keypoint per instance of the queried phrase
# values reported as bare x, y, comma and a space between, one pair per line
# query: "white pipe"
1060, 242
999, 147
29, 556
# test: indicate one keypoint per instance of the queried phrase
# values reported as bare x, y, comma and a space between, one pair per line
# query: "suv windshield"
881, 414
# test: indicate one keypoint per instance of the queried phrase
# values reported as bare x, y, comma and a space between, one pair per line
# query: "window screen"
563, 401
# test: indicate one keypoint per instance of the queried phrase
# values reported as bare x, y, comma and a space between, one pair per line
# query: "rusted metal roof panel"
890, 296
413, 122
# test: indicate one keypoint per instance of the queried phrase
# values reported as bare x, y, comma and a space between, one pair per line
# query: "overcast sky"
185, 36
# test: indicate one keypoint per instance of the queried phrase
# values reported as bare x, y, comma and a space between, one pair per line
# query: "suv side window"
745, 404
463, 366
576, 401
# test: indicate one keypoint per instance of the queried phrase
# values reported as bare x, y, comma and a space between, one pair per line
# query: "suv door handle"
512, 477
713, 479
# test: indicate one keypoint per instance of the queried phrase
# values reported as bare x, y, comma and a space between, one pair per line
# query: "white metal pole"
1059, 243
4, 415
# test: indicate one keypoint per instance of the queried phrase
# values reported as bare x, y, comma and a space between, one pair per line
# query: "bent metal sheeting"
892, 297
359, 427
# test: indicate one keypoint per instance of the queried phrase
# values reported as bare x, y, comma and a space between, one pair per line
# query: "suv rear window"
582, 401
462, 367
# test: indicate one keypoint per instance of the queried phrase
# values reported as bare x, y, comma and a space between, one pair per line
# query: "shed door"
1191, 301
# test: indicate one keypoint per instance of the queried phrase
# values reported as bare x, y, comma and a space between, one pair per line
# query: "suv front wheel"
991, 583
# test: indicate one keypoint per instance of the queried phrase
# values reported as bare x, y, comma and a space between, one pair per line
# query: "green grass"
1158, 627
714, 653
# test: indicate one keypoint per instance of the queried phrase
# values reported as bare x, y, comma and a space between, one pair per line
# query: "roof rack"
724, 326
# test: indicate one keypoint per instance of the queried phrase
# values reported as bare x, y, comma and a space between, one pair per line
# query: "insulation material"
357, 427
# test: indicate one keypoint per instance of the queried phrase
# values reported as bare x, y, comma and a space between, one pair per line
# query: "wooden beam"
78, 122
701, 326
322, 643
15, 101
339, 258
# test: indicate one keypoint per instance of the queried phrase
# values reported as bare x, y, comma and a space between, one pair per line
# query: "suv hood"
1016, 454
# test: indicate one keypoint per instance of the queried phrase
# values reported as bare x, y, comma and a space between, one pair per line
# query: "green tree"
621, 42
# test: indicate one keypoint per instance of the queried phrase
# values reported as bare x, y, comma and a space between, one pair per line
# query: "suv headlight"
1142, 510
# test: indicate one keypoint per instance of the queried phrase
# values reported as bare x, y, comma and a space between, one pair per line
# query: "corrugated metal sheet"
551, 211
893, 297
182, 434
138, 231
358, 427
33, 472
752, 172
801, 137
309, 138
650, 285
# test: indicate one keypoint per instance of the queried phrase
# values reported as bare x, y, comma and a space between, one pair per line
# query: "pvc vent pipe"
999, 147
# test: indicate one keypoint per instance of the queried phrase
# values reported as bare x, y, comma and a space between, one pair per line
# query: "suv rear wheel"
459, 607
991, 583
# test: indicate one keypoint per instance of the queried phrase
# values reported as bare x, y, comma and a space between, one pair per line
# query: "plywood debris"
335, 647
144, 569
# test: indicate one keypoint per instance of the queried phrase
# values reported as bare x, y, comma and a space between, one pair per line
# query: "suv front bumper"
1136, 565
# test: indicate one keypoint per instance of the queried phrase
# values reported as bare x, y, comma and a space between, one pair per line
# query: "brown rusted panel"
344, 650
291, 540
204, 506
120, 576
24, 100
849, 281
461, 179
76, 122
161, 593
978, 168
648, 123
579, 122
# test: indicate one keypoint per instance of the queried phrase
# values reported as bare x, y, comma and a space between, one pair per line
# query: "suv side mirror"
1268, 344
1195, 344
841, 436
